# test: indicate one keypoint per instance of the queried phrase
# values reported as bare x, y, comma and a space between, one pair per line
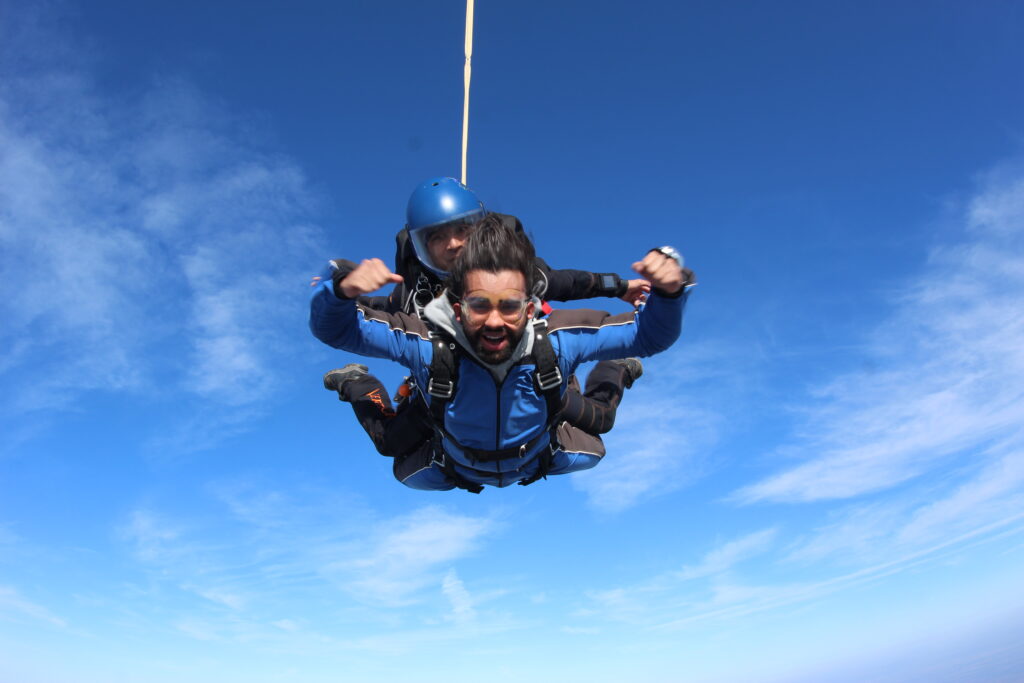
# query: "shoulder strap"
444, 374
548, 377
548, 382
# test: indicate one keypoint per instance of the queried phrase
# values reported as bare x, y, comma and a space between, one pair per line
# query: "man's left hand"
636, 291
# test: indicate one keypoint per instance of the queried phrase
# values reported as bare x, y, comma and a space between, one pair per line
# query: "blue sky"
822, 480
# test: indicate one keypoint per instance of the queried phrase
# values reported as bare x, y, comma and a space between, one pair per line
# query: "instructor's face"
494, 312
445, 243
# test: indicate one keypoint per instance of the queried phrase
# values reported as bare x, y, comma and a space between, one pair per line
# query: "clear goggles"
424, 238
509, 308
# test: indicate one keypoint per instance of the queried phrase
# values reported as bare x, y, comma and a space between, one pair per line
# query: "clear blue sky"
822, 480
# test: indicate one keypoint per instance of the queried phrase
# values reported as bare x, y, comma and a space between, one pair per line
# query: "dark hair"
493, 246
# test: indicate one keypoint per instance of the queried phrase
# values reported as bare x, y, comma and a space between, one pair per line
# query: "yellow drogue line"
467, 72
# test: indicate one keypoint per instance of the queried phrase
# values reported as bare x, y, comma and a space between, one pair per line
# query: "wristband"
610, 284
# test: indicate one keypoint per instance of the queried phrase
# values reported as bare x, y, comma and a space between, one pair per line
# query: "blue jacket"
490, 412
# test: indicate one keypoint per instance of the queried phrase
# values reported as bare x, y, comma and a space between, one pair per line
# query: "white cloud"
461, 601
667, 602
13, 604
678, 591
143, 242
725, 556
403, 555
949, 377
852, 535
997, 492
664, 430
286, 625
931, 427
152, 539
239, 570
220, 596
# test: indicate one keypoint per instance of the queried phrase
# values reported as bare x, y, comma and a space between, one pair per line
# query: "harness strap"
548, 378
478, 455
441, 387
548, 382
544, 459
446, 464
544, 462
444, 373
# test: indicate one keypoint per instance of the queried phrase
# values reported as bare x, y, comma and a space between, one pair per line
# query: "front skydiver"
440, 215
495, 373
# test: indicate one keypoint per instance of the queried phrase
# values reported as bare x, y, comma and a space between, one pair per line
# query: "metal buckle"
439, 457
440, 389
549, 381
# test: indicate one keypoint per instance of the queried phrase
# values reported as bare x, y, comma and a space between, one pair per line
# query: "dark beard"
500, 355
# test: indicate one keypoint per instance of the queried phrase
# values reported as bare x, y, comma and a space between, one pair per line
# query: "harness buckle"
440, 389
549, 380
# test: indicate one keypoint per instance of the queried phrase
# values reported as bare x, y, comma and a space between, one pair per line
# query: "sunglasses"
509, 309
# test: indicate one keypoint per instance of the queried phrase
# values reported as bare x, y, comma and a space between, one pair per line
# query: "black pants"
396, 433
593, 411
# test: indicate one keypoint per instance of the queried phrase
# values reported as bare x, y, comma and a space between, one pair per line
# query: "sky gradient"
823, 479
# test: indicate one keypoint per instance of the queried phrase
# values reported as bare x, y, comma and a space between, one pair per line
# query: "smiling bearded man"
492, 390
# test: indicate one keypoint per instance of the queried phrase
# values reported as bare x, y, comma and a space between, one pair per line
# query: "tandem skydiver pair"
487, 404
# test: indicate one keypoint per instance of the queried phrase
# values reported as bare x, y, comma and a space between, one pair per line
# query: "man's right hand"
368, 277
663, 272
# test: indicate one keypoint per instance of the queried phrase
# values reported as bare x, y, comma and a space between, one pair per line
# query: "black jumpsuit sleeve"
569, 285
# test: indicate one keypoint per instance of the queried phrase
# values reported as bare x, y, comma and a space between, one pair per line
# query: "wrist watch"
672, 253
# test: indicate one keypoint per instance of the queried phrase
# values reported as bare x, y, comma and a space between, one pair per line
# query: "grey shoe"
335, 380
634, 369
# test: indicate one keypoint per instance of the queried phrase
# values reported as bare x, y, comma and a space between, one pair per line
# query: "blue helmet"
434, 203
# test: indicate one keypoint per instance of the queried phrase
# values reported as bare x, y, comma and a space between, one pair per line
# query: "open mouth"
493, 341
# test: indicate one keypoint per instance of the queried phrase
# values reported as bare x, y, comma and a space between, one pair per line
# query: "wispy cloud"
648, 601
665, 430
152, 539
932, 428
742, 600
283, 564
673, 600
727, 555
14, 605
463, 611
140, 241
403, 554
949, 375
